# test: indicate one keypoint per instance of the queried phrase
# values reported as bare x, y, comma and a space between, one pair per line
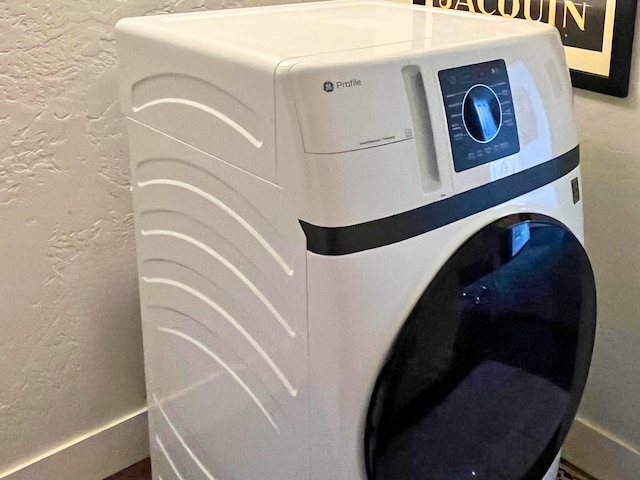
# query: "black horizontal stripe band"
388, 230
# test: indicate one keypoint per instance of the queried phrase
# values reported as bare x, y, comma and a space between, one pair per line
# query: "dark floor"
142, 471
139, 471
570, 472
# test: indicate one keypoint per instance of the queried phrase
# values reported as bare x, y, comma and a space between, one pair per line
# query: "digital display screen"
480, 115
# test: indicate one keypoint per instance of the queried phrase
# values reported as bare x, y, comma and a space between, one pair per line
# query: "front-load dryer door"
485, 376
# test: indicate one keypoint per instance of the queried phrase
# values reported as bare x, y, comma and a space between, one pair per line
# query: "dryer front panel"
485, 376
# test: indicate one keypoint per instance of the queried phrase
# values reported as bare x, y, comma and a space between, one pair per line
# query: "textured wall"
610, 147
70, 343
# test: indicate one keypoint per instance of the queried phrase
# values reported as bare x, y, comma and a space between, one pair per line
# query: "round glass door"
485, 376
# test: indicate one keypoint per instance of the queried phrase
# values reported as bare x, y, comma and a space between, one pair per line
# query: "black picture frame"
616, 82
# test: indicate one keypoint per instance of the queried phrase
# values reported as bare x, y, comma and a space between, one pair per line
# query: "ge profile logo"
330, 86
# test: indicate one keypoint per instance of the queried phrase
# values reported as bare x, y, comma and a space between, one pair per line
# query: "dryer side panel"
223, 299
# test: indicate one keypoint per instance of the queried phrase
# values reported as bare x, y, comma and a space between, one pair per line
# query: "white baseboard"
93, 456
601, 454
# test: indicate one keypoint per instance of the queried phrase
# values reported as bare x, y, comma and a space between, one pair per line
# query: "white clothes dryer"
359, 233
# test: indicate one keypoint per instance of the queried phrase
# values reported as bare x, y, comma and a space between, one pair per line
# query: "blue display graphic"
520, 235
481, 113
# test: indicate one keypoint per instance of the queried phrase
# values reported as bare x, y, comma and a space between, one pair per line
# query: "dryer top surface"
286, 31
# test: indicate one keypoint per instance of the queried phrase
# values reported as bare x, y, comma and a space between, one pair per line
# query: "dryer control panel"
480, 114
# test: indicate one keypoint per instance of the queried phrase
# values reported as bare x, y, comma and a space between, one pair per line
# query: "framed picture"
597, 34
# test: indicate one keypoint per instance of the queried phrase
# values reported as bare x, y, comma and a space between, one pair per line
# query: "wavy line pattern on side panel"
181, 314
193, 456
217, 183
205, 248
205, 108
207, 351
237, 359
189, 87
223, 206
168, 458
195, 386
141, 88
142, 165
199, 222
186, 288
